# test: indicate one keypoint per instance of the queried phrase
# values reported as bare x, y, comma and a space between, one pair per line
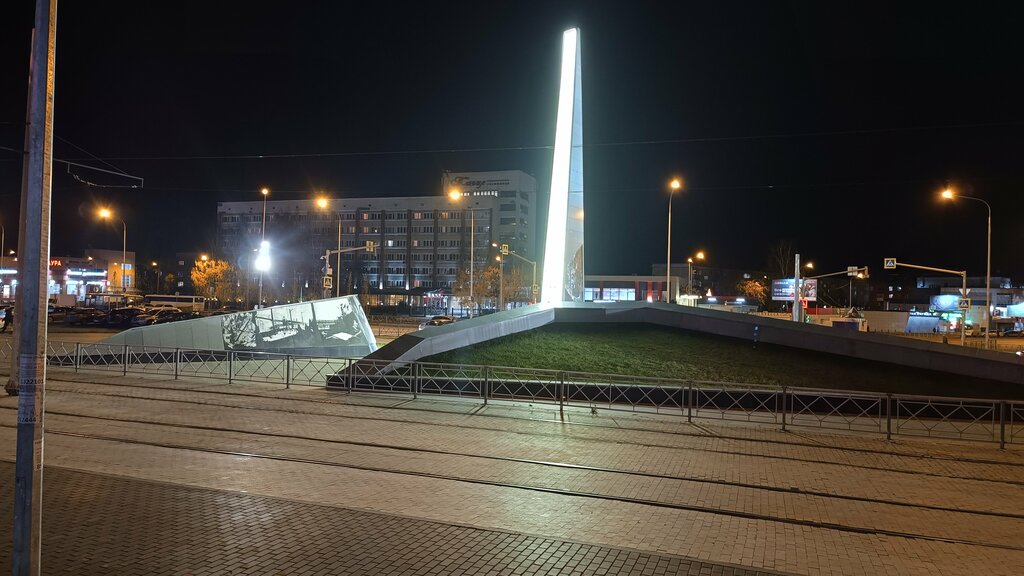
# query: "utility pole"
29, 358
797, 305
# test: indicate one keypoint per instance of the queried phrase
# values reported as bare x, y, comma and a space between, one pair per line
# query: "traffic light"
370, 246
504, 249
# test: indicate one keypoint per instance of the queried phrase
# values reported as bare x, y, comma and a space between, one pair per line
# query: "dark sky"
832, 125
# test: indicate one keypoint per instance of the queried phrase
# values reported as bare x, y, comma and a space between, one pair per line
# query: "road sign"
851, 270
328, 282
536, 290
964, 292
890, 264
965, 304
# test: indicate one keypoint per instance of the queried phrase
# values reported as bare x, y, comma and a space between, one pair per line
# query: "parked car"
57, 313
152, 316
90, 317
78, 315
123, 316
175, 317
1012, 333
437, 321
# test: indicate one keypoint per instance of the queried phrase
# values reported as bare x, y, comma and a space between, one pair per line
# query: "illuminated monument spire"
563, 253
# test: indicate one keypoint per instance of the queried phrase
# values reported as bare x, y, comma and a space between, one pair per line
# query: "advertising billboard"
782, 290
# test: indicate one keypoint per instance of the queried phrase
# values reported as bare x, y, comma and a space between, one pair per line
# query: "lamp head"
675, 184
948, 194
322, 202
105, 213
455, 194
265, 191
700, 255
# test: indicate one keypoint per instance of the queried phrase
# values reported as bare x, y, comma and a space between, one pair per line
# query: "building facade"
422, 241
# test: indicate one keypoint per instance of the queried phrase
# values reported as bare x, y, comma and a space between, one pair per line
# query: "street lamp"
323, 203
106, 214
689, 271
263, 260
501, 282
156, 274
673, 186
949, 194
527, 260
455, 194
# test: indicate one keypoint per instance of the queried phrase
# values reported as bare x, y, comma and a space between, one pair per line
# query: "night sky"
833, 126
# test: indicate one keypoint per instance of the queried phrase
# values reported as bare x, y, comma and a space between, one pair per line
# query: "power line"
590, 145
70, 163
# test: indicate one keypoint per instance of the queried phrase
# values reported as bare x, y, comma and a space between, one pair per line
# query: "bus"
111, 300
182, 302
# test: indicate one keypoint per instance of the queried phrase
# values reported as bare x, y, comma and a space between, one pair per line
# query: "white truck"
66, 300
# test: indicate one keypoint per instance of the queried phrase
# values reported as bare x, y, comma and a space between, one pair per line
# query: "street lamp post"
950, 195
323, 203
528, 261
674, 185
501, 282
106, 214
262, 244
689, 271
456, 195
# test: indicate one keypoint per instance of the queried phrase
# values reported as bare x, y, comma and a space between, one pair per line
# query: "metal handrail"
972, 419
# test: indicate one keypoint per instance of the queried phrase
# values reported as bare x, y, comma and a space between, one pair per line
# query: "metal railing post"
689, 401
124, 361
349, 376
888, 416
783, 408
231, 365
78, 355
560, 393
177, 359
288, 371
415, 380
486, 383
1002, 425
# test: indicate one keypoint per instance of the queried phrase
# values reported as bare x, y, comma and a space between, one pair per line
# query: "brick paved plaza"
151, 476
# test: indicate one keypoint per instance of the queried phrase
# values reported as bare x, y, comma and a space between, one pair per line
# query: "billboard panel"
782, 290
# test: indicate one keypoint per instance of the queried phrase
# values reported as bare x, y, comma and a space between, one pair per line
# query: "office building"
422, 241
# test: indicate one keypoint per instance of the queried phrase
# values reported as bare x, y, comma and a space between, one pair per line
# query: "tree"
170, 283
781, 259
217, 279
755, 290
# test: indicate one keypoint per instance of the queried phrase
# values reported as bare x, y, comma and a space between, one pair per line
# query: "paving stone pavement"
715, 494
102, 525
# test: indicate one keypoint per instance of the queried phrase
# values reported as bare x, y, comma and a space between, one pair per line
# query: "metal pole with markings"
29, 366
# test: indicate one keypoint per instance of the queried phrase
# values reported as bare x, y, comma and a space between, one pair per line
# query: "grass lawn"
647, 350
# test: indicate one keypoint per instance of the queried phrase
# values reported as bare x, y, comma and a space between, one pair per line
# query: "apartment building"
422, 240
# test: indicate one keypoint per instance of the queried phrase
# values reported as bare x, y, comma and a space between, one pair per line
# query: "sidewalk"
202, 477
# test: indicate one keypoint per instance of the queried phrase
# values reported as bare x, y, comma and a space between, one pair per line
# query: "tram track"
806, 443
817, 524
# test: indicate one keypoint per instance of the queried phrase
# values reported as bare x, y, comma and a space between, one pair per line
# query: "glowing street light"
673, 186
324, 203
950, 194
456, 195
689, 269
202, 257
264, 247
106, 214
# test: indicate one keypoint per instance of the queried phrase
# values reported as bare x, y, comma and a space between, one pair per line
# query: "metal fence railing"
972, 419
